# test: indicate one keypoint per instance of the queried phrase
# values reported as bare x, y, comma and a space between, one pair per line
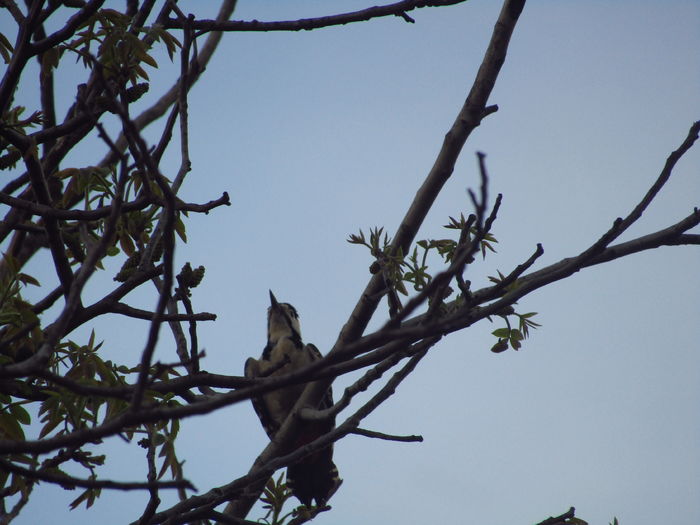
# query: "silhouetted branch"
70, 481
387, 437
467, 120
121, 308
397, 9
363, 383
100, 213
230, 520
68, 29
154, 497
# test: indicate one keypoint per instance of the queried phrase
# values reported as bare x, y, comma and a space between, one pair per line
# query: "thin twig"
387, 437
154, 497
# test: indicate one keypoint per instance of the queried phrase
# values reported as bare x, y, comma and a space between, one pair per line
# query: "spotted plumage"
315, 476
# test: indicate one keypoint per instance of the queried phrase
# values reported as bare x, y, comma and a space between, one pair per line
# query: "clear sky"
318, 134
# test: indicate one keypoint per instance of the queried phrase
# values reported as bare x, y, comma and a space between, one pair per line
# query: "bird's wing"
315, 477
314, 352
252, 371
315, 355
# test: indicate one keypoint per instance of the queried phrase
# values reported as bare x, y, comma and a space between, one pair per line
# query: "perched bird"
315, 476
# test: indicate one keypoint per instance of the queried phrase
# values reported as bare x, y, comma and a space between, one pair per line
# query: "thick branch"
467, 120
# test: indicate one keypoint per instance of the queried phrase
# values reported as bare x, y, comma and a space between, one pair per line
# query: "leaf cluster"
414, 270
109, 40
274, 497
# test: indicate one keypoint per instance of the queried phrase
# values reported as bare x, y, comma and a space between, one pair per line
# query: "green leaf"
54, 420
516, 335
10, 428
180, 229
88, 497
500, 346
140, 72
27, 279
171, 43
501, 333
145, 57
21, 414
6, 49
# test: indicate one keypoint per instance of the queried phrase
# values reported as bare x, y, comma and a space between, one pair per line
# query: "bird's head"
282, 321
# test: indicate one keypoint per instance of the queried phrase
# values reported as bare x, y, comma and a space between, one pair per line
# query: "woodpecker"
315, 476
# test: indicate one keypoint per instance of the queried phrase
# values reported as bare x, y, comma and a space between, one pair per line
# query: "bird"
314, 477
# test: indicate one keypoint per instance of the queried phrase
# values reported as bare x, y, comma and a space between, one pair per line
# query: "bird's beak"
273, 300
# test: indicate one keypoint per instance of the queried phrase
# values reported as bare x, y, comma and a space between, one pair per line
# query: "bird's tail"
314, 477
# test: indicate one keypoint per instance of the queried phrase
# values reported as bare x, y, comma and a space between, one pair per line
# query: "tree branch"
397, 9
387, 437
467, 120
137, 313
67, 481
100, 213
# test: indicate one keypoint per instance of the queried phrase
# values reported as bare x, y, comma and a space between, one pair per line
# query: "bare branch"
467, 120
137, 313
387, 437
154, 498
397, 9
519, 270
179, 386
100, 213
362, 384
16, 13
20, 57
620, 225
69, 481
68, 29
230, 520
40, 189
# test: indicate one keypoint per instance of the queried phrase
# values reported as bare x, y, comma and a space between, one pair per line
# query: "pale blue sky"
317, 134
